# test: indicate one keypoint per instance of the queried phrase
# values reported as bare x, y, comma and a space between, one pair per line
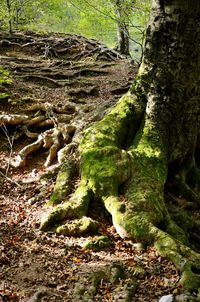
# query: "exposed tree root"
14, 119
83, 92
186, 183
49, 139
182, 203
65, 175
42, 79
123, 283
142, 214
53, 139
64, 46
120, 90
50, 126
111, 170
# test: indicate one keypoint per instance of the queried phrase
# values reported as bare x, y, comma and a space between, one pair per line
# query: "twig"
10, 141
10, 179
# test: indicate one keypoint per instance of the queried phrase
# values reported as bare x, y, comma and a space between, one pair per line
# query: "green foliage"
5, 79
4, 76
20, 14
3, 95
98, 19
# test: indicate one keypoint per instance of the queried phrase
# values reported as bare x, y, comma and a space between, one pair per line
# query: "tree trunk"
147, 143
170, 80
122, 39
122, 28
171, 67
9, 15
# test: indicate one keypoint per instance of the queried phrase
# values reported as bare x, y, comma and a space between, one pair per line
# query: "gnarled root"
50, 139
141, 214
74, 208
54, 139
63, 186
110, 172
103, 164
184, 258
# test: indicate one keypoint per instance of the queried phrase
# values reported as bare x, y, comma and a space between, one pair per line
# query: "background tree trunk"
122, 39
122, 27
8, 3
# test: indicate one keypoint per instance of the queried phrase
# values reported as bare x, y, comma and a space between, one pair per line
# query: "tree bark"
170, 80
172, 61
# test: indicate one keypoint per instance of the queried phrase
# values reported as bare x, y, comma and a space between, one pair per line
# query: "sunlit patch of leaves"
5, 77
5, 80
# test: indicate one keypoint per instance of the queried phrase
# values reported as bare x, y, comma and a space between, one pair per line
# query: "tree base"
141, 170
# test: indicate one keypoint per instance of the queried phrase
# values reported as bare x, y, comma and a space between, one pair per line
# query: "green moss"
114, 204
104, 165
190, 280
99, 243
138, 226
50, 220
114, 127
4, 95
74, 208
145, 205
145, 189
63, 184
185, 259
140, 82
81, 198
104, 169
78, 227
55, 198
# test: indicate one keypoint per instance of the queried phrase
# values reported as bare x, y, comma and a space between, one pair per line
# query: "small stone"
167, 298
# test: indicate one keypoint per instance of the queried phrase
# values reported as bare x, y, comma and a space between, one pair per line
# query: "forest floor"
36, 266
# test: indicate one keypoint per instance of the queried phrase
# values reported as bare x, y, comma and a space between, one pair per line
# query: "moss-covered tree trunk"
171, 78
147, 143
